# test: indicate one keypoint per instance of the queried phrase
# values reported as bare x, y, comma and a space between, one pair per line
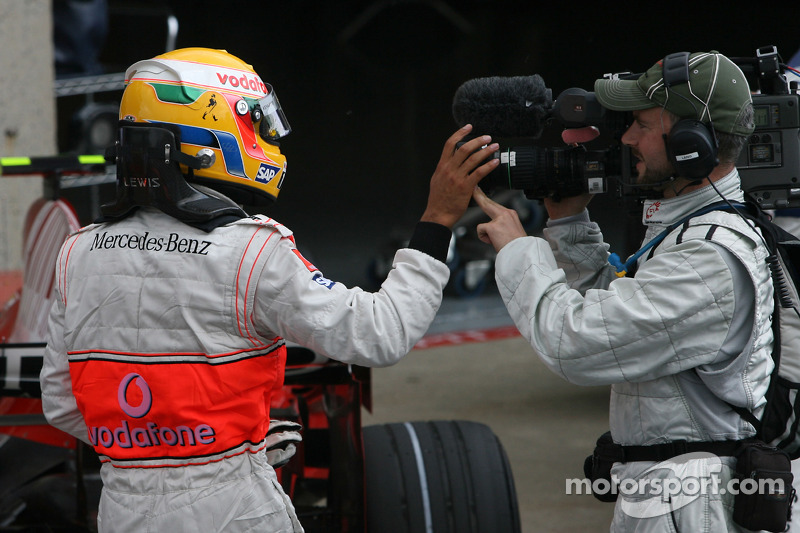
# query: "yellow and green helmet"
226, 115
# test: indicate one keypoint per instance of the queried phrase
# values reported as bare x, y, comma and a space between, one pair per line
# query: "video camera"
769, 165
519, 109
572, 170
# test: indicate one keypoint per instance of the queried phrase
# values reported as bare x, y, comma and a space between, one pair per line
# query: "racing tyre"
440, 476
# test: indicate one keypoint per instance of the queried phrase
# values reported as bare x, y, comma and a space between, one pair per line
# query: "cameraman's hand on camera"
504, 226
458, 172
575, 136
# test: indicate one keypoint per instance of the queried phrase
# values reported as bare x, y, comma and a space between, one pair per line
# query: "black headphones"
691, 144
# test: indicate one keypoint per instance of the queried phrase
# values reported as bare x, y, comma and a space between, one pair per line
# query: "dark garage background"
367, 85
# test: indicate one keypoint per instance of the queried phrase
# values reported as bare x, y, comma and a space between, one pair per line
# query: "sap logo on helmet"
242, 82
266, 173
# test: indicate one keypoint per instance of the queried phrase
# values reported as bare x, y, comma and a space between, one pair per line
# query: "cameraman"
684, 339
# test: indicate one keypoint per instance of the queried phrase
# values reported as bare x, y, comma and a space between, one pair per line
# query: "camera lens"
549, 172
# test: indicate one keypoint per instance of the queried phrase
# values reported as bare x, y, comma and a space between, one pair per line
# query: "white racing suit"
165, 343
680, 342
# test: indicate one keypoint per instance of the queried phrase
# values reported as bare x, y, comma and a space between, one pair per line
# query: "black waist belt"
668, 450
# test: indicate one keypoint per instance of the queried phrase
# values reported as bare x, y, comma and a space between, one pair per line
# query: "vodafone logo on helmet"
242, 82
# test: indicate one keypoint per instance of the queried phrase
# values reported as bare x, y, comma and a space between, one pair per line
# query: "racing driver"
167, 333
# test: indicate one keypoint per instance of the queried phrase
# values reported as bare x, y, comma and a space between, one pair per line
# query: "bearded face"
654, 171
645, 137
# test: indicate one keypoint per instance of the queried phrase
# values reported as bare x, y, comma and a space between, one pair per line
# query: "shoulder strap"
783, 261
773, 236
624, 268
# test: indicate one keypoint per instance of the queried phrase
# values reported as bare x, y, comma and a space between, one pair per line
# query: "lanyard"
623, 268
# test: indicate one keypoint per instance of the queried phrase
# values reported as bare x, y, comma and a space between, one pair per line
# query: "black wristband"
431, 238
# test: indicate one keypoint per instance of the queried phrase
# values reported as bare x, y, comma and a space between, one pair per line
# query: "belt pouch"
598, 465
765, 493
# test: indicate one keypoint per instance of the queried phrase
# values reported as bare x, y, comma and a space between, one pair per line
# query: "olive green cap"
716, 93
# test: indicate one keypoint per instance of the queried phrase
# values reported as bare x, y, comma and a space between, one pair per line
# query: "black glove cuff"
431, 238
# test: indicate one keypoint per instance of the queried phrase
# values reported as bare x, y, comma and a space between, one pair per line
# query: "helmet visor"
273, 124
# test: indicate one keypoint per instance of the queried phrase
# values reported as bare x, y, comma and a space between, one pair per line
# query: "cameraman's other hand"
567, 207
504, 226
456, 175
573, 205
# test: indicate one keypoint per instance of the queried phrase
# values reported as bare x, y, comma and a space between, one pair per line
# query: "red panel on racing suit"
176, 409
